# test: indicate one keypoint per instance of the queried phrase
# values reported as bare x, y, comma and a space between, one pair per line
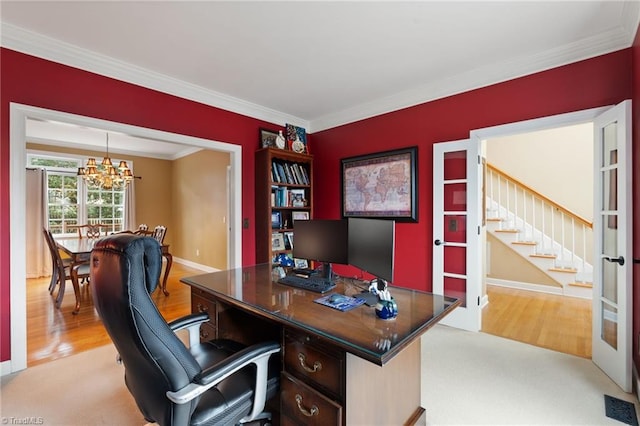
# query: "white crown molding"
618, 38
611, 41
31, 43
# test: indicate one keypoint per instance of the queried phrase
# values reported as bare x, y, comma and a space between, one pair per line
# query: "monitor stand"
327, 271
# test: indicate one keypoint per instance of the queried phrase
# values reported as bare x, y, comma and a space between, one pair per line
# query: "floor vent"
620, 410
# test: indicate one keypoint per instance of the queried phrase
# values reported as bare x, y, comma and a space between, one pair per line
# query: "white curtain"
130, 208
38, 257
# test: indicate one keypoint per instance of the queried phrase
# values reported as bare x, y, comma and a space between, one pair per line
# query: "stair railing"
556, 230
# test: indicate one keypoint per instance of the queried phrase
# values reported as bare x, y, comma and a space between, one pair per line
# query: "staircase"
553, 239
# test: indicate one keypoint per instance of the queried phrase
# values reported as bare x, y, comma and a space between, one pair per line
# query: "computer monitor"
371, 246
322, 241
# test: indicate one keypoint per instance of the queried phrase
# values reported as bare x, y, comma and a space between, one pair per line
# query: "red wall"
24, 79
636, 199
605, 80
28, 80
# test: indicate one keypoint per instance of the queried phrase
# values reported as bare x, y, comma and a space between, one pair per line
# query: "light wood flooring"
54, 333
554, 322
558, 323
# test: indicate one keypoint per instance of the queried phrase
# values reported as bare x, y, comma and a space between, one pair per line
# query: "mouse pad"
339, 301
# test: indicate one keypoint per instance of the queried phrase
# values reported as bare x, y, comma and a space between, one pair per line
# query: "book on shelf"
288, 172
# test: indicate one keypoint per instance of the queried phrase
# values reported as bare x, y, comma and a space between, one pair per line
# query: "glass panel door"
612, 230
456, 220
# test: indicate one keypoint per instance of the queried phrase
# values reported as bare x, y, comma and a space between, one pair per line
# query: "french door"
457, 221
612, 269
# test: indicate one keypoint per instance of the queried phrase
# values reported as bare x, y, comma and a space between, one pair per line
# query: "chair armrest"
256, 354
192, 323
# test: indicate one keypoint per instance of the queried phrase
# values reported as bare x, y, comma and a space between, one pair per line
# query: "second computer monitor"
323, 241
372, 246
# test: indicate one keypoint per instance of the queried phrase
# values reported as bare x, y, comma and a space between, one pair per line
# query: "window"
70, 202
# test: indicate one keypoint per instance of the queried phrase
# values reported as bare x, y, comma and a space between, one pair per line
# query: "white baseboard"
5, 368
194, 265
484, 301
524, 286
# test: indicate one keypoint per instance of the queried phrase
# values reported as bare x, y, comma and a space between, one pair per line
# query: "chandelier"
105, 175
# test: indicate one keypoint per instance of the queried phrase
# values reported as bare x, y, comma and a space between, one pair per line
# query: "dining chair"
55, 251
158, 233
217, 382
91, 230
65, 271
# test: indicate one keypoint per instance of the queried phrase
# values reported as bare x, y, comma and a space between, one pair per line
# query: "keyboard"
316, 284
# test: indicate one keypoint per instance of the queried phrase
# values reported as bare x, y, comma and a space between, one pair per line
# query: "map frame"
397, 200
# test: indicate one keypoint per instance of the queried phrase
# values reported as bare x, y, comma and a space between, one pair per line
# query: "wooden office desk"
337, 367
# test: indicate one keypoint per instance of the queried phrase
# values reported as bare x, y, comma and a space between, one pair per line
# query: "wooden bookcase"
284, 189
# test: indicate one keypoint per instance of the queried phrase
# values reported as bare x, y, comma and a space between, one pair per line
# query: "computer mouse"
335, 298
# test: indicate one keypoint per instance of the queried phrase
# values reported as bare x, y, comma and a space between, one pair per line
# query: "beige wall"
199, 187
505, 264
187, 195
557, 163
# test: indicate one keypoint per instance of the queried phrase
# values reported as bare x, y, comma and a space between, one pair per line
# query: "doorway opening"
534, 294
18, 119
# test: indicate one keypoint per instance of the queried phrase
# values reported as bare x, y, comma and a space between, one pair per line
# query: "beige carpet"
84, 389
468, 379
480, 379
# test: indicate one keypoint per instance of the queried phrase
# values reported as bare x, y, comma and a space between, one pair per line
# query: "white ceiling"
317, 64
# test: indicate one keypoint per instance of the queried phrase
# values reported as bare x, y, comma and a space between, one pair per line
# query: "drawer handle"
202, 308
309, 413
317, 366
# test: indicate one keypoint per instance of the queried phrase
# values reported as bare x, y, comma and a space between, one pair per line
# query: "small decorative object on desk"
297, 139
386, 308
284, 260
277, 273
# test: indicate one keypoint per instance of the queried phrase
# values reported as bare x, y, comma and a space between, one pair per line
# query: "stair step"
581, 284
510, 231
544, 256
494, 219
565, 270
525, 243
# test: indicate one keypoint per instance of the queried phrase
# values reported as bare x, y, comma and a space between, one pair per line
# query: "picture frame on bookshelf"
391, 178
297, 139
268, 138
299, 215
288, 240
277, 242
300, 263
298, 198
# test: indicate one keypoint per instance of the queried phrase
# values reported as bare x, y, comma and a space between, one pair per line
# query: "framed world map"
381, 185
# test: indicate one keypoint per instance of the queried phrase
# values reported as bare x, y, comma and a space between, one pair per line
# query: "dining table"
79, 250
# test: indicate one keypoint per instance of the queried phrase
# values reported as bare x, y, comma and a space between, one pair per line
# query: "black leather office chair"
212, 383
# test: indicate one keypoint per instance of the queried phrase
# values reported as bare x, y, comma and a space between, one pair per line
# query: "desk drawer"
200, 304
304, 405
208, 330
307, 359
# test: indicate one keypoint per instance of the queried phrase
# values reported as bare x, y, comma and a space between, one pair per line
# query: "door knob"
438, 242
619, 260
